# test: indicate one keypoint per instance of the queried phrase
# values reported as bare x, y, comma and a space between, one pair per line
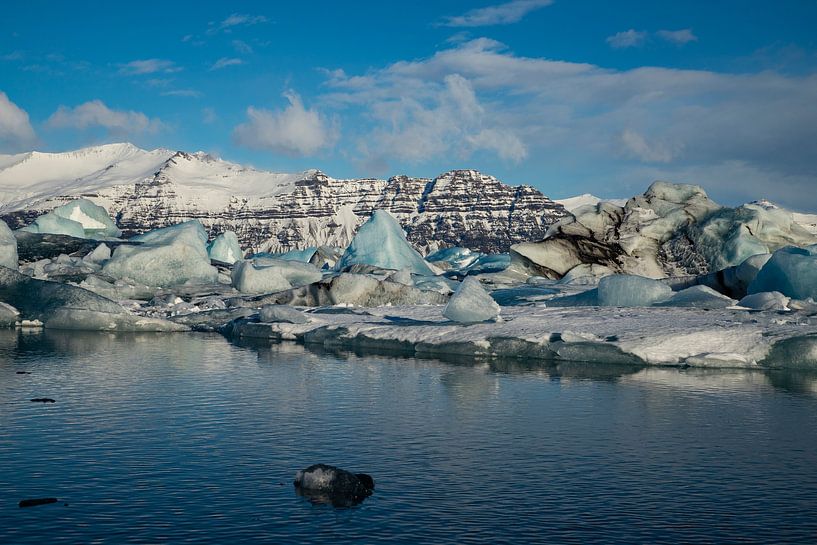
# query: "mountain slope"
269, 211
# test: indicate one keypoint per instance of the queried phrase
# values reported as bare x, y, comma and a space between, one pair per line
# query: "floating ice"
80, 218
454, 258
8, 247
382, 242
471, 304
585, 274
167, 257
99, 254
268, 275
791, 271
625, 290
92, 320
402, 277
304, 255
282, 313
488, 263
225, 248
766, 300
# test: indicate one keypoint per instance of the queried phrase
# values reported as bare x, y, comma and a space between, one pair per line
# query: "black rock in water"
43, 400
33, 502
325, 484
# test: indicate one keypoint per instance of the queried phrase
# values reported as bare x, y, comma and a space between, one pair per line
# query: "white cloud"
235, 20
188, 93
628, 38
501, 14
564, 115
16, 131
677, 37
294, 131
224, 62
242, 47
148, 66
208, 115
96, 114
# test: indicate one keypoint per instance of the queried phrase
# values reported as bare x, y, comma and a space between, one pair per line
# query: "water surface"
186, 438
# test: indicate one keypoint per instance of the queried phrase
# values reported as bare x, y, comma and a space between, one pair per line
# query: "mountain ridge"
272, 211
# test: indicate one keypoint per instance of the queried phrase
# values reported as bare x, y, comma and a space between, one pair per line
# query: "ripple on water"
190, 439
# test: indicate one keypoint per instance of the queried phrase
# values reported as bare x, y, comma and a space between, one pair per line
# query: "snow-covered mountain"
270, 211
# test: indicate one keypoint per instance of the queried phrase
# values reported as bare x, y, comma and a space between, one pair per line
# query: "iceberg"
268, 275
8, 247
790, 271
8, 315
80, 218
626, 290
225, 248
282, 313
166, 257
766, 300
453, 258
381, 242
471, 304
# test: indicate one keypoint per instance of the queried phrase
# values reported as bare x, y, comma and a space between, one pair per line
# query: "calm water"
190, 439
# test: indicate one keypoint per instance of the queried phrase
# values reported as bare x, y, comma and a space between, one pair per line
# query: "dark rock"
43, 400
33, 502
325, 484
23, 373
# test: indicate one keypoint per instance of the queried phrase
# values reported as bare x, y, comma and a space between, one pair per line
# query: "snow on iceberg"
166, 257
471, 304
268, 275
80, 218
225, 248
8, 247
381, 242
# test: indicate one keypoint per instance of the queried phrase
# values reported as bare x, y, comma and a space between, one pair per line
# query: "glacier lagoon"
187, 437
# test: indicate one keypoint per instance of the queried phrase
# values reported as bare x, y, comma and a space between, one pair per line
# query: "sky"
568, 96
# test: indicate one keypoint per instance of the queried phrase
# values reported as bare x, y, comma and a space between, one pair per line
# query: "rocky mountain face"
272, 212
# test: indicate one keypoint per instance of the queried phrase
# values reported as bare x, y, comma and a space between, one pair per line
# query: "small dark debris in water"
43, 400
23, 373
611, 338
33, 502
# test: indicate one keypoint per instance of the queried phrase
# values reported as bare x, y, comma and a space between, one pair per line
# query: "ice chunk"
454, 258
402, 277
791, 271
489, 263
268, 275
167, 257
80, 218
585, 274
99, 254
698, 297
225, 248
381, 242
766, 300
625, 290
471, 303
54, 224
304, 255
8, 247
282, 313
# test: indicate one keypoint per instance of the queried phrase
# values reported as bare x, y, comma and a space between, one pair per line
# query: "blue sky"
568, 96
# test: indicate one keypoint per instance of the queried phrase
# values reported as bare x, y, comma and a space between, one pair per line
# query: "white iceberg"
225, 248
698, 297
268, 275
471, 304
166, 257
381, 242
8, 247
626, 290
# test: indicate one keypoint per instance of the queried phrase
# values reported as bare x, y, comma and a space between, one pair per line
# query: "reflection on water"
189, 438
